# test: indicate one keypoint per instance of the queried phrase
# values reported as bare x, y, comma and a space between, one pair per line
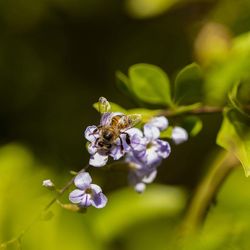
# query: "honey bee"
113, 125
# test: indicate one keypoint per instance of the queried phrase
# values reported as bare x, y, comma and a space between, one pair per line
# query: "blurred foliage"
227, 225
147, 8
58, 56
23, 197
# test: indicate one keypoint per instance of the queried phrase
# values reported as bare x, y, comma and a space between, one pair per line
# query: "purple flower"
99, 152
145, 159
140, 174
179, 135
87, 193
155, 149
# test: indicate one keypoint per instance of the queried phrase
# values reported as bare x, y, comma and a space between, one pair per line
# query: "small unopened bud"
48, 184
179, 135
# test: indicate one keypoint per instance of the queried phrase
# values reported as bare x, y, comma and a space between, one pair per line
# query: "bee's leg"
96, 141
122, 148
128, 141
94, 132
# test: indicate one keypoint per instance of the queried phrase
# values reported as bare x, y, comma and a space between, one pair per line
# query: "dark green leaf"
234, 136
192, 124
150, 84
189, 85
234, 100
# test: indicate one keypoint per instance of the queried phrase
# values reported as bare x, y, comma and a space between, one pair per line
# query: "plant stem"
207, 191
196, 111
19, 237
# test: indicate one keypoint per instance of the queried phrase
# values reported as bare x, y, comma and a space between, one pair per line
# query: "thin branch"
19, 237
207, 191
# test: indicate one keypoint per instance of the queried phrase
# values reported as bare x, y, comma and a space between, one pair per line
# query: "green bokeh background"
57, 57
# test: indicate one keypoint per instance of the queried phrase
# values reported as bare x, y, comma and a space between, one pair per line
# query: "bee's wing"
134, 119
103, 105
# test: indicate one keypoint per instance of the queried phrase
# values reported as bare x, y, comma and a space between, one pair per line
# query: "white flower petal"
150, 178
96, 188
151, 132
152, 157
179, 135
140, 187
134, 131
83, 180
161, 122
48, 184
98, 160
92, 148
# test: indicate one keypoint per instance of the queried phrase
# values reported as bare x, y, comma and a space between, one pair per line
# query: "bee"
113, 125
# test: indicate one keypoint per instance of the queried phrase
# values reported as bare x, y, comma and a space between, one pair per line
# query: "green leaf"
114, 107
243, 94
222, 76
192, 124
167, 133
147, 8
240, 97
189, 85
150, 84
234, 136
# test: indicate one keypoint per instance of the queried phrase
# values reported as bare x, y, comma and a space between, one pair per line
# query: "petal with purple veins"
105, 119
76, 196
99, 200
91, 133
86, 200
83, 180
138, 143
98, 160
116, 152
163, 148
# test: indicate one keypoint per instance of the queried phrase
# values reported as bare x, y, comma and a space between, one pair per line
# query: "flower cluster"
116, 137
143, 150
144, 162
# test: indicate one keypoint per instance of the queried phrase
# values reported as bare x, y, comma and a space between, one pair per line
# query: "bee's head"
108, 135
